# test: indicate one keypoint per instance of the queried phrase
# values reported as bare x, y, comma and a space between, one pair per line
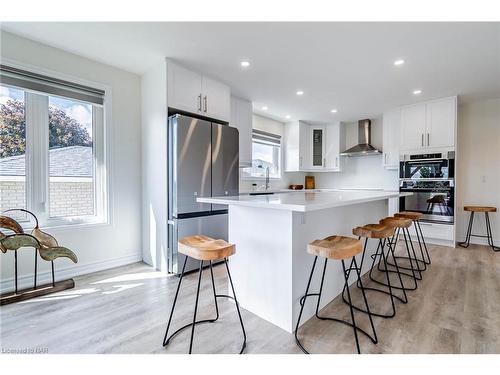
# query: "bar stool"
337, 248
415, 217
204, 249
401, 224
382, 233
489, 233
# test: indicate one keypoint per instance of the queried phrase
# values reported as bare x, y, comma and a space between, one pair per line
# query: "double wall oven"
431, 179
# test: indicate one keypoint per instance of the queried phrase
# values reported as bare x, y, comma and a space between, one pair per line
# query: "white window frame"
280, 157
37, 154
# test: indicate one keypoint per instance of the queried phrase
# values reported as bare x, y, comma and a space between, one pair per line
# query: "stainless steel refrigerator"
203, 159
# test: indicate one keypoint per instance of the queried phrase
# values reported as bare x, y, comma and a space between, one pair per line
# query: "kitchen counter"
304, 201
271, 265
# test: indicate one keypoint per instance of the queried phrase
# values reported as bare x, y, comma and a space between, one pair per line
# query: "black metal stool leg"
53, 274
420, 245
346, 278
466, 243
490, 233
215, 294
36, 266
165, 340
196, 307
302, 303
358, 271
392, 242
237, 308
423, 242
15, 270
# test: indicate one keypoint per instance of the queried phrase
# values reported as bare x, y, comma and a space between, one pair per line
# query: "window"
266, 156
12, 150
52, 148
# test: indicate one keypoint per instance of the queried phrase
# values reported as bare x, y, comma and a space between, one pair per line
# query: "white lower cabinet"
435, 233
241, 118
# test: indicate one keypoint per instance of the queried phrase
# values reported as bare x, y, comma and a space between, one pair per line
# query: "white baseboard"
26, 281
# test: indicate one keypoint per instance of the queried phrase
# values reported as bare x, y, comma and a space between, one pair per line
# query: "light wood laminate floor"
456, 309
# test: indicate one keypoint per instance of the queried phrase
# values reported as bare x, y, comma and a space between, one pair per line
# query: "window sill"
62, 226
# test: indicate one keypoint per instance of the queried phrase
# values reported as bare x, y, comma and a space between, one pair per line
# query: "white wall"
275, 127
360, 171
154, 166
478, 165
99, 246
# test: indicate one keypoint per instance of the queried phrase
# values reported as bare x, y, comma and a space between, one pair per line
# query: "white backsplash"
360, 172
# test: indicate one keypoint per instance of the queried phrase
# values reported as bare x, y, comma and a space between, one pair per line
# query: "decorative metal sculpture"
43, 243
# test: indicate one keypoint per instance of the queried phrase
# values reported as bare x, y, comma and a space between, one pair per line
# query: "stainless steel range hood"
363, 148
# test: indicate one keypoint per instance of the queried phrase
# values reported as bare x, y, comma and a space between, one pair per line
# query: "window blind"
265, 137
48, 85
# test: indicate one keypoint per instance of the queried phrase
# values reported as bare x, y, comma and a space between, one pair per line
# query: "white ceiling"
348, 66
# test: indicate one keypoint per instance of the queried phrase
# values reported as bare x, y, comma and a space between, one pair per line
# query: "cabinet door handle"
385, 158
428, 137
199, 102
205, 103
422, 139
336, 162
324, 162
300, 161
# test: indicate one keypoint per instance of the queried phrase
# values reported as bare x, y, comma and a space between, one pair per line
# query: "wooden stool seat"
205, 248
480, 209
374, 231
410, 215
396, 222
335, 247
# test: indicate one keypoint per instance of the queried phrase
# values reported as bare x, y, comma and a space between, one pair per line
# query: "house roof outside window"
72, 161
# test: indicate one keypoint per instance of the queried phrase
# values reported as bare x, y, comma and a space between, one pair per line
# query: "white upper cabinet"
296, 142
216, 99
334, 145
440, 123
412, 127
241, 118
195, 93
429, 125
313, 148
390, 138
184, 89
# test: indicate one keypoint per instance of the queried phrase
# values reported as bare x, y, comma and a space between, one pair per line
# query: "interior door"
190, 172
413, 127
225, 162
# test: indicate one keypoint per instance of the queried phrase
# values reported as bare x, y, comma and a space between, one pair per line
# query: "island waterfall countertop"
304, 201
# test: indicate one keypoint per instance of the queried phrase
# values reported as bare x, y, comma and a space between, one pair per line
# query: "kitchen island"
271, 233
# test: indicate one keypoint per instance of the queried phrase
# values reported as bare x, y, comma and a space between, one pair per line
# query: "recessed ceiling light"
288, 117
399, 62
264, 108
245, 64
417, 92
300, 92
333, 111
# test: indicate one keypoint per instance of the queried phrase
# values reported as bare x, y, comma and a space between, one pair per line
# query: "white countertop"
305, 200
